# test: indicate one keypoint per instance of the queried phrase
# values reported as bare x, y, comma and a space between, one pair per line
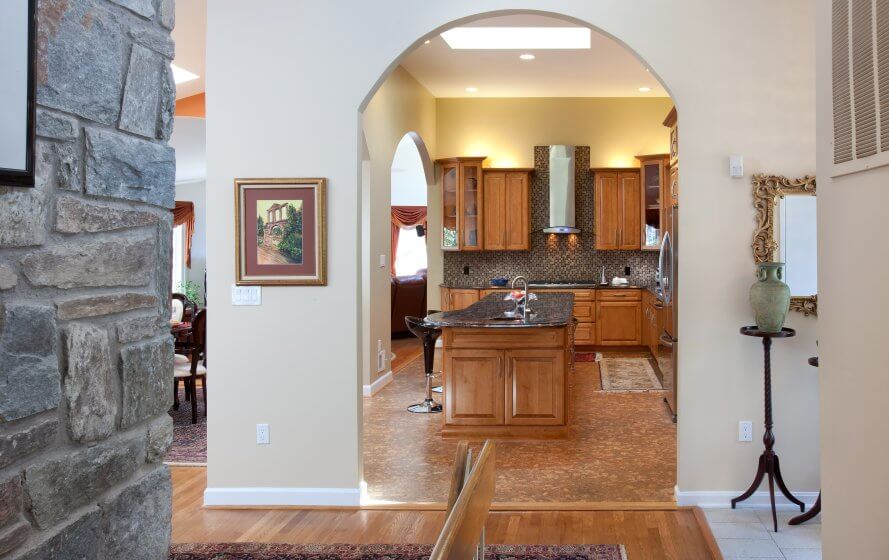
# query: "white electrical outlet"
381, 360
745, 430
262, 434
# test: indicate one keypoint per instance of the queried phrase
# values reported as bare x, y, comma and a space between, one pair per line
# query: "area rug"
256, 551
189, 440
587, 356
628, 374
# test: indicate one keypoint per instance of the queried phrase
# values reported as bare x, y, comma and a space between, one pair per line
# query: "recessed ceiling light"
426, 42
181, 75
524, 38
527, 56
644, 89
471, 89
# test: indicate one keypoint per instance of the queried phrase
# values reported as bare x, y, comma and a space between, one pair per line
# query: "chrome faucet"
526, 309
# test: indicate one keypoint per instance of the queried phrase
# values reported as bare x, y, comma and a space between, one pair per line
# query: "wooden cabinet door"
450, 202
445, 295
674, 185
474, 387
461, 299
472, 206
518, 213
585, 334
495, 210
630, 211
535, 387
619, 323
607, 211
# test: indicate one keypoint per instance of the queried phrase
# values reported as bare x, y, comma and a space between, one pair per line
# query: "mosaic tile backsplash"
552, 256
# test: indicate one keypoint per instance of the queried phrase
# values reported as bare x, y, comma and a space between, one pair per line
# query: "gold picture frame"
767, 190
289, 248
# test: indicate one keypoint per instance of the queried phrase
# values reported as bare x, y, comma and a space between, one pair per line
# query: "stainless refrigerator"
668, 341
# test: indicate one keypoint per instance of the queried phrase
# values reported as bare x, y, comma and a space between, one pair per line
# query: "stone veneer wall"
85, 351
553, 257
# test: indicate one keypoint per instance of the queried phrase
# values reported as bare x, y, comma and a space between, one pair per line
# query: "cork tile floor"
622, 448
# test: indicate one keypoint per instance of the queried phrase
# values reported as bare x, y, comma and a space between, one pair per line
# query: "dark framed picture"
281, 232
18, 38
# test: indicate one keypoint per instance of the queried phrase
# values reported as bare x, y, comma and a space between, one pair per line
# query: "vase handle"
780, 271
761, 274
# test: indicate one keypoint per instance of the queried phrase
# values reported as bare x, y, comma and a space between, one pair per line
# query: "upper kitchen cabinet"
672, 186
618, 209
507, 212
462, 204
654, 171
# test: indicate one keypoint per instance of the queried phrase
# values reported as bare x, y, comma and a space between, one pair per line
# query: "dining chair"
196, 366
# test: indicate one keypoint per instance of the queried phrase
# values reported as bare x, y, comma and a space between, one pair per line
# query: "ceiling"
190, 35
607, 69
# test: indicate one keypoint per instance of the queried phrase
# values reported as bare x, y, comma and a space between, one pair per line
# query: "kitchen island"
506, 377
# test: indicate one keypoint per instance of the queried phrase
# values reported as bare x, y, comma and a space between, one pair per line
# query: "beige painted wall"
400, 106
742, 77
852, 238
506, 130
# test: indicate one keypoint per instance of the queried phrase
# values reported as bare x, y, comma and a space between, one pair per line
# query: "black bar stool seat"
428, 334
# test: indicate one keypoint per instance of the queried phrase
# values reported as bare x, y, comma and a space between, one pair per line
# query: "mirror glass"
796, 234
15, 90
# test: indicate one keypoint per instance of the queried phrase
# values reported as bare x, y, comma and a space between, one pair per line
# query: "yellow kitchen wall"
506, 130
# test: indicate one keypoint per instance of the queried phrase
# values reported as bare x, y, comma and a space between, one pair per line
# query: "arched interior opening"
495, 127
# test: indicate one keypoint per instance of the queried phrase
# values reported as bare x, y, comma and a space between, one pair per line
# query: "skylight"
181, 75
523, 38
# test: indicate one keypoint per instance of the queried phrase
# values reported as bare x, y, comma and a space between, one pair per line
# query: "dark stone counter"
550, 310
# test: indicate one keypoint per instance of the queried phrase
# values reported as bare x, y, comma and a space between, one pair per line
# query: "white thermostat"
736, 166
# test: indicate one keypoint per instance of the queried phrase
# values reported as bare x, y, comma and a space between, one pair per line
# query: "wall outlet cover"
745, 430
262, 434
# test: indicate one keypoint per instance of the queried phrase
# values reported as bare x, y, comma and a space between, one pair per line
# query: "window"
411, 250
178, 257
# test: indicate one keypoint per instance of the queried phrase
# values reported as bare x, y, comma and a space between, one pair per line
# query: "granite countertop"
572, 286
551, 310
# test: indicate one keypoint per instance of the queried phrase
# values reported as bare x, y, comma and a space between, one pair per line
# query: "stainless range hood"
561, 190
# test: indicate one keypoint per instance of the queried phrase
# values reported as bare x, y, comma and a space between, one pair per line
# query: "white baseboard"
282, 497
377, 386
722, 499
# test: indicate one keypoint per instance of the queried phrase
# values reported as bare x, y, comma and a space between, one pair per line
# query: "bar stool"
438, 388
428, 334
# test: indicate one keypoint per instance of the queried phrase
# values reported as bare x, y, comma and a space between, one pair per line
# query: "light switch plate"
246, 295
382, 261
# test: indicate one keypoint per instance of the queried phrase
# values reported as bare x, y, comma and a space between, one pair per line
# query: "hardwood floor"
647, 535
406, 350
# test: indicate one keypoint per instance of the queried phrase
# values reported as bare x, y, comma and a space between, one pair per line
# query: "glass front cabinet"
461, 196
654, 170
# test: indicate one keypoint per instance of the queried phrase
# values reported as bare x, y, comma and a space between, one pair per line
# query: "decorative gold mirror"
786, 232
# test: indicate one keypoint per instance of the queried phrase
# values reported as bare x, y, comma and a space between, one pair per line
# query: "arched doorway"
431, 472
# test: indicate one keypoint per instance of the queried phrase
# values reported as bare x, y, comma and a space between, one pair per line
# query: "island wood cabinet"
462, 204
619, 318
505, 382
618, 209
507, 213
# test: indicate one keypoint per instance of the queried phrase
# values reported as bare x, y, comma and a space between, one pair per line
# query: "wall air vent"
860, 74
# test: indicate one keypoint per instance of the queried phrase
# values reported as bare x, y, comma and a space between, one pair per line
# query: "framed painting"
18, 39
281, 229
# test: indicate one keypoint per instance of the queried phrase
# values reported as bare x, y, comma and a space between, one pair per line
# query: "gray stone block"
93, 306
164, 275
144, 8
160, 438
13, 537
68, 167
22, 216
89, 383
75, 215
140, 96
156, 39
146, 373
18, 441
137, 523
167, 13
10, 500
78, 540
168, 104
8, 277
81, 59
137, 328
124, 262
56, 126
29, 385
57, 486
121, 166
28, 329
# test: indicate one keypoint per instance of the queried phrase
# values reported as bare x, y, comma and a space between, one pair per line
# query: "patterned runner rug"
256, 551
189, 440
628, 374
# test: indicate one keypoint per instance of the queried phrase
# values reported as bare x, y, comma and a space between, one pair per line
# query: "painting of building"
279, 231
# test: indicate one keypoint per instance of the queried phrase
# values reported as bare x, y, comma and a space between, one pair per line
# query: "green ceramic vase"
770, 297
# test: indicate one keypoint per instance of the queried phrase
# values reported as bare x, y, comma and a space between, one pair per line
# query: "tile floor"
747, 533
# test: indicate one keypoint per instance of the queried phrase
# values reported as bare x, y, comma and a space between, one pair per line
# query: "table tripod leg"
772, 498
757, 480
783, 487
813, 511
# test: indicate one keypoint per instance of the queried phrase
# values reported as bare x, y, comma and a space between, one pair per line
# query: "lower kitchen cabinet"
474, 387
535, 387
619, 323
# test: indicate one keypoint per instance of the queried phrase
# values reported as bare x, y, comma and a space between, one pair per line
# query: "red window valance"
404, 217
183, 214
